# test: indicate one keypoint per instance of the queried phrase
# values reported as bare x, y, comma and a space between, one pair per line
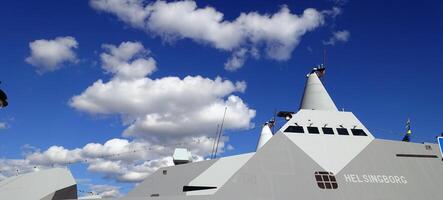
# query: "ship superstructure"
320, 153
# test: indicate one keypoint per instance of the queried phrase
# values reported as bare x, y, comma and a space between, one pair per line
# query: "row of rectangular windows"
326, 130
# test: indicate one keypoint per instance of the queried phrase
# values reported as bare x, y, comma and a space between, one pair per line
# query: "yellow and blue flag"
407, 137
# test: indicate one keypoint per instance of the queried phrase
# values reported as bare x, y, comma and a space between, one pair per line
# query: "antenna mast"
220, 133
215, 140
324, 57
275, 122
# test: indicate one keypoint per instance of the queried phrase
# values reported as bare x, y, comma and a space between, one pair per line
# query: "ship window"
358, 132
342, 131
313, 130
328, 131
295, 129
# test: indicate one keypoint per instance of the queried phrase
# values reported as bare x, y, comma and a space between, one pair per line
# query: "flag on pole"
407, 137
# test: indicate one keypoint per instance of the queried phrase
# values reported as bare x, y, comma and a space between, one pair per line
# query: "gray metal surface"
51, 184
171, 183
281, 170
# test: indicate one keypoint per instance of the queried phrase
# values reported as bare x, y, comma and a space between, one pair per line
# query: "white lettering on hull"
374, 178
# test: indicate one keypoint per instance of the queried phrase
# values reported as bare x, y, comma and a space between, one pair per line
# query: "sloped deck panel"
172, 183
51, 184
279, 170
218, 173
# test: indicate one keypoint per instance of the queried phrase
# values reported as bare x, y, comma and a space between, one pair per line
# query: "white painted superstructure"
315, 96
265, 136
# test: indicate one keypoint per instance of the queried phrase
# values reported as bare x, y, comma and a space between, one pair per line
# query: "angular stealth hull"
383, 170
51, 184
320, 153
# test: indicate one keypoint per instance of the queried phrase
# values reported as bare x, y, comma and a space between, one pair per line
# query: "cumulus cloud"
170, 111
118, 159
160, 114
334, 12
55, 155
3, 125
276, 34
237, 60
13, 167
105, 191
127, 60
159, 109
97, 191
338, 36
50, 55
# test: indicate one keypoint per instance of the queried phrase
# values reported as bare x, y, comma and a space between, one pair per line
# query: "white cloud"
334, 12
127, 60
105, 191
158, 109
12, 167
278, 34
98, 191
55, 155
119, 159
50, 55
237, 60
160, 114
338, 36
3, 125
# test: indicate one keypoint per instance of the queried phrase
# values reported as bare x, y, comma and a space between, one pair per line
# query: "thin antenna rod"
215, 139
275, 122
221, 132
324, 57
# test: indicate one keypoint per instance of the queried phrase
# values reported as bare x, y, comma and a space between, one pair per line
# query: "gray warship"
319, 153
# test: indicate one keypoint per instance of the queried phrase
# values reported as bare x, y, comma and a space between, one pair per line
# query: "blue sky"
388, 69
